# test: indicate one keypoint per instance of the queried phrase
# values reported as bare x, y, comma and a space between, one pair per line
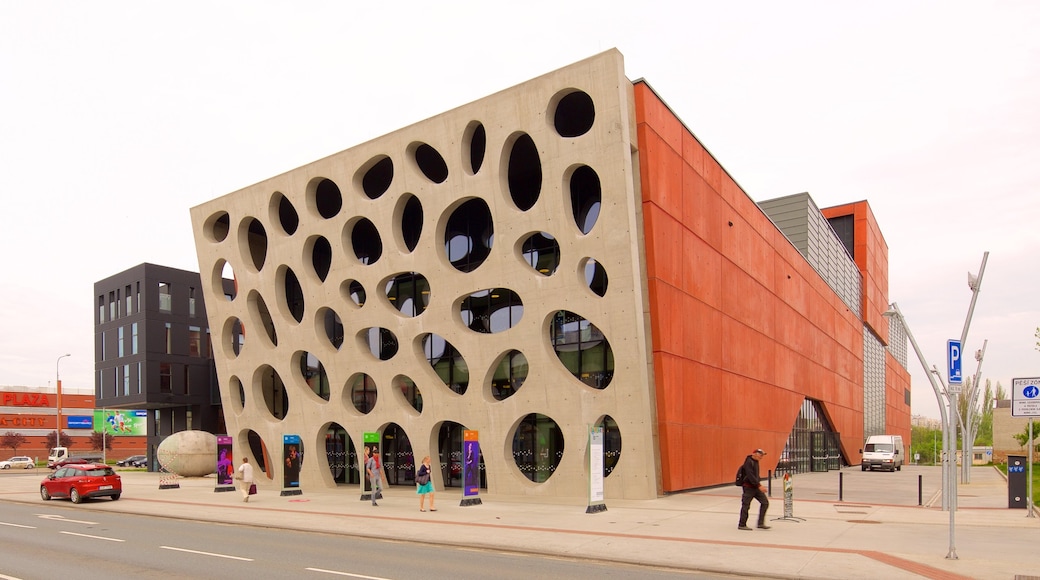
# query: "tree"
926, 442
13, 440
100, 439
985, 435
1023, 437
66, 440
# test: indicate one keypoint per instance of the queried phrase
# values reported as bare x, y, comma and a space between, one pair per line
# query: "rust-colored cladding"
743, 329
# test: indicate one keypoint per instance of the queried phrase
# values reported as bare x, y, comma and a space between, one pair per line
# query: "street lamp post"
57, 383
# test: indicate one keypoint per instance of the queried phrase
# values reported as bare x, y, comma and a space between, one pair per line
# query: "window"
194, 341
169, 339
119, 304
165, 378
111, 305
137, 300
191, 302
165, 300
121, 342
101, 308
129, 301
104, 350
133, 338
126, 380
140, 379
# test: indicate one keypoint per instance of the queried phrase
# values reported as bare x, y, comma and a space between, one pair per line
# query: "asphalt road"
56, 540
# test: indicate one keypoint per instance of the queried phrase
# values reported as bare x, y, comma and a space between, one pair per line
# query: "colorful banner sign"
225, 461
79, 422
116, 422
292, 454
372, 444
595, 465
470, 464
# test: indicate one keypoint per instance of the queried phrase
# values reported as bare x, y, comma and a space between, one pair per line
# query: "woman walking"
424, 483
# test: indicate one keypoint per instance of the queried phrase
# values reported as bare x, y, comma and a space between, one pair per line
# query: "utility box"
1016, 479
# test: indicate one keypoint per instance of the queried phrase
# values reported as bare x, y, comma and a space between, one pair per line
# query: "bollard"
919, 487
841, 486
769, 473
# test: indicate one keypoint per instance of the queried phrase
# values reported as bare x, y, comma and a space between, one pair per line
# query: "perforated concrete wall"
394, 283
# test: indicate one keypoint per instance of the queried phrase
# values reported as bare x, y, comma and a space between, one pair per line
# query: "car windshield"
879, 447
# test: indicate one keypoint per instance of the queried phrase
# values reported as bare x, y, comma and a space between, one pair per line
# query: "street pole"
954, 390
1029, 480
894, 312
57, 384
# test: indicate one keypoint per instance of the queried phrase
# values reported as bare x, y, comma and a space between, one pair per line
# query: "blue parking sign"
953, 359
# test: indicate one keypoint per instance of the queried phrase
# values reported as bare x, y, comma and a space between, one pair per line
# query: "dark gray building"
152, 350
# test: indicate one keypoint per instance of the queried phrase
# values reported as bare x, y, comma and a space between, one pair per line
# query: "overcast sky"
117, 117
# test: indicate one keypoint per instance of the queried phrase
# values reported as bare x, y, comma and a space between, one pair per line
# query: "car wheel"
7, 467
29, 466
44, 493
115, 497
75, 496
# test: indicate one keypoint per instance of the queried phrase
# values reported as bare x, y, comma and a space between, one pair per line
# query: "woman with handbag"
424, 484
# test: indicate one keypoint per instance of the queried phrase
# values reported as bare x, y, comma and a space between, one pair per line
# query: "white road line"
207, 553
5, 577
63, 519
337, 573
94, 537
16, 526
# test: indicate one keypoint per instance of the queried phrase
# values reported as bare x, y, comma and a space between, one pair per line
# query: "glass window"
133, 338
101, 308
121, 342
111, 305
191, 302
165, 301
165, 378
169, 339
138, 298
126, 380
129, 301
194, 341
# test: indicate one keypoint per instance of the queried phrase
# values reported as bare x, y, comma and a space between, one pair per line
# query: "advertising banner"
595, 459
292, 454
470, 464
116, 422
225, 462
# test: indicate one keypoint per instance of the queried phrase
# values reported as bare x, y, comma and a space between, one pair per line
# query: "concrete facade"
570, 219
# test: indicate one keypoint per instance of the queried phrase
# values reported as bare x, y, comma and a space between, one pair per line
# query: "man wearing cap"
753, 488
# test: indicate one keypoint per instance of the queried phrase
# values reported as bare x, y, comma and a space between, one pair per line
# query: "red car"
82, 480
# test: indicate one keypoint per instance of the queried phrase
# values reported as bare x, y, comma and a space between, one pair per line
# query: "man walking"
245, 476
374, 475
753, 489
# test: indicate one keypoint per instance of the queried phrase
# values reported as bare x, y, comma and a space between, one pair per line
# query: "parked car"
133, 461
74, 460
82, 480
20, 462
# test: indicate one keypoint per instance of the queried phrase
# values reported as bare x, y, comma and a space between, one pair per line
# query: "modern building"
32, 412
559, 256
152, 350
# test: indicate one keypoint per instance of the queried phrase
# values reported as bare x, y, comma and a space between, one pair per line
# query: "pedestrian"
753, 489
424, 482
245, 477
372, 467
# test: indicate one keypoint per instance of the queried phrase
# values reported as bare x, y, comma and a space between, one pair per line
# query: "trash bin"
1016, 481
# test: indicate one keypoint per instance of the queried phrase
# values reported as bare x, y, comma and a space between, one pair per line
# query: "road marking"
94, 537
62, 518
16, 526
206, 553
338, 573
5, 577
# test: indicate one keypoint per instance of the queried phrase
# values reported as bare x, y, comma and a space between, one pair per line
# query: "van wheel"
899, 468
862, 467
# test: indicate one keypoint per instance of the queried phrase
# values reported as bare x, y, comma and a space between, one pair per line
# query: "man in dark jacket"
753, 489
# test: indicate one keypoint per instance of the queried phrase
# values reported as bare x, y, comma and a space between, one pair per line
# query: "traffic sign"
1025, 397
953, 360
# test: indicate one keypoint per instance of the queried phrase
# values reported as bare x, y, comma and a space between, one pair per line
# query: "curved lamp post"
57, 382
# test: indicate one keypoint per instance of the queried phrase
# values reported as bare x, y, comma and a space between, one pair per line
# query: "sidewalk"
851, 537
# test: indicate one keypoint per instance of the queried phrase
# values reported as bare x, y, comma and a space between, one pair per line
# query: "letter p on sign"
953, 359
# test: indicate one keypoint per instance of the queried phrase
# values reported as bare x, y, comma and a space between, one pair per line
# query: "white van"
883, 452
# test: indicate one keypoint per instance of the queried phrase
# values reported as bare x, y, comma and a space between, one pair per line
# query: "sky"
117, 117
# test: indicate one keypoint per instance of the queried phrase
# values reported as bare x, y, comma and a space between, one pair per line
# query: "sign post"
953, 369
1025, 402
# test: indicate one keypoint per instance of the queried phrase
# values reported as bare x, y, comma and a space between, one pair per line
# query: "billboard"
116, 422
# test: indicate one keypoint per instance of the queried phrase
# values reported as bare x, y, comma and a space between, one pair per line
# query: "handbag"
252, 489
422, 479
